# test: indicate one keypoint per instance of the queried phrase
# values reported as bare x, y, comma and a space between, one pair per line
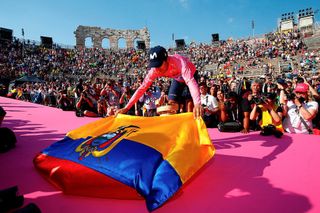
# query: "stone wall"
97, 34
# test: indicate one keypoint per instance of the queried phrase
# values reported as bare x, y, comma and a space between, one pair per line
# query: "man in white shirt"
300, 111
210, 105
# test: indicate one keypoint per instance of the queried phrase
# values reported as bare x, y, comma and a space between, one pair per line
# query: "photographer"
210, 106
112, 97
268, 114
300, 110
64, 102
85, 105
233, 111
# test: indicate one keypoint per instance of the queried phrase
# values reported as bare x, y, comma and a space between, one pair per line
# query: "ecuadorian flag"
128, 157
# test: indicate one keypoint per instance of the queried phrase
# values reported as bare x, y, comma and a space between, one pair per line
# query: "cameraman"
235, 110
300, 110
210, 106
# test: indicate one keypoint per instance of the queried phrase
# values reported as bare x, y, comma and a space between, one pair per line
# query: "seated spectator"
299, 111
234, 110
210, 106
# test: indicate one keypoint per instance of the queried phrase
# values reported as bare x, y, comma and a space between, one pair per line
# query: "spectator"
125, 97
64, 102
102, 107
234, 110
300, 110
112, 97
149, 106
210, 106
268, 111
85, 105
163, 99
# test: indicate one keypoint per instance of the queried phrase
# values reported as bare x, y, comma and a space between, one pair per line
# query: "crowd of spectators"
96, 82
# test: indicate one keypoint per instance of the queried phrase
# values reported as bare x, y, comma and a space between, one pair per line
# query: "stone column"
147, 42
113, 42
80, 41
97, 42
129, 43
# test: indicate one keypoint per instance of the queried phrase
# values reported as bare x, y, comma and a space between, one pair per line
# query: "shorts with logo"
179, 91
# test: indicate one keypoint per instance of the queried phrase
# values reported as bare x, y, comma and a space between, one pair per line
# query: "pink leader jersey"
180, 69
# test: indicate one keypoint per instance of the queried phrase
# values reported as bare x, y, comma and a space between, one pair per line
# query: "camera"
270, 130
263, 98
259, 99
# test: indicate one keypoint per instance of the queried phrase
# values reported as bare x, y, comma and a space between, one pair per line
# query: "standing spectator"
125, 97
85, 105
234, 110
210, 106
112, 97
64, 102
163, 99
150, 108
102, 107
300, 110
268, 111
78, 89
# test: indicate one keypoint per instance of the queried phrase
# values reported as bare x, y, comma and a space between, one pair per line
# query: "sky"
191, 20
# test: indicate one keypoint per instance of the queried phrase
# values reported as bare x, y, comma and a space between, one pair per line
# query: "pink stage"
249, 173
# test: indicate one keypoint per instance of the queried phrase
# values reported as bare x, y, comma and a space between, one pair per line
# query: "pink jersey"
180, 69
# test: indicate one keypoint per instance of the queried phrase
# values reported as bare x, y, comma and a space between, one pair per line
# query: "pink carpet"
249, 173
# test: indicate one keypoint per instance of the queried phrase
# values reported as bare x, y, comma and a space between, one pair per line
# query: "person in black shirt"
234, 109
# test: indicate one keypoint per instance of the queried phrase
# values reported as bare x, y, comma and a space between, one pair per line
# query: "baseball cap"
301, 87
157, 55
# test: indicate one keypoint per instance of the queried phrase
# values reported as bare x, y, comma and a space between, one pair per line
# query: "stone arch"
113, 35
88, 42
105, 43
122, 43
